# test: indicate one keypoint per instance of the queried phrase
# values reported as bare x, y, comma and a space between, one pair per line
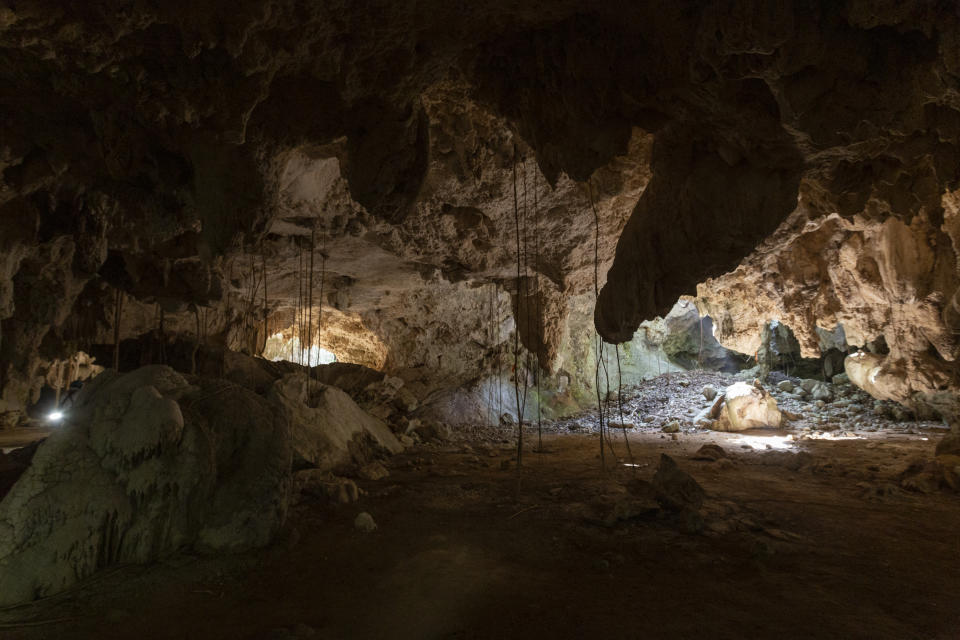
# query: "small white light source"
55, 416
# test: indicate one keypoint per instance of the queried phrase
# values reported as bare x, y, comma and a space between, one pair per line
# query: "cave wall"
180, 154
884, 277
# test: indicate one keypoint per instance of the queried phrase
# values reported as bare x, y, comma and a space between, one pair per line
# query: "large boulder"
747, 407
863, 370
144, 465
328, 429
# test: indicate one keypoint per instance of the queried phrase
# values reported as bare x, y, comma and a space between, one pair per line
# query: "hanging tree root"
623, 423
516, 341
596, 293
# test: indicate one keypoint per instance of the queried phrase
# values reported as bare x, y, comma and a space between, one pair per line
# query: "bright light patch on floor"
767, 442
827, 435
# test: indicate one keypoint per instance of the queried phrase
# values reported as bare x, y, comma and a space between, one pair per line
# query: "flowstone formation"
148, 465
152, 462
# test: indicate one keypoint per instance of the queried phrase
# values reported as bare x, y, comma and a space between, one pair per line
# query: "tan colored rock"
864, 371
877, 278
747, 407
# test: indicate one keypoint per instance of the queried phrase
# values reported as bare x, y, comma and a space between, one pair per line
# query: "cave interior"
443, 319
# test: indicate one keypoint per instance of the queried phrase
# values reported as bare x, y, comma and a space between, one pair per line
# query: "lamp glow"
55, 416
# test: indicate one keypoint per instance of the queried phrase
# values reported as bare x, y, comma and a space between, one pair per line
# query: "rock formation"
747, 406
147, 465
885, 278
153, 462
185, 165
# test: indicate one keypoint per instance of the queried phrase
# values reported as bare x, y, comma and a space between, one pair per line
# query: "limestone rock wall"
886, 277
192, 158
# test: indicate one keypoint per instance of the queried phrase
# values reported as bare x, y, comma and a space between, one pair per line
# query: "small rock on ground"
710, 452
364, 522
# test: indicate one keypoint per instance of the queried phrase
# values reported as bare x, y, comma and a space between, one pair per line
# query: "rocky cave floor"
810, 531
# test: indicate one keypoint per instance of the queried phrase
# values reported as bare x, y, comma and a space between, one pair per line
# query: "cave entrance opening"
280, 347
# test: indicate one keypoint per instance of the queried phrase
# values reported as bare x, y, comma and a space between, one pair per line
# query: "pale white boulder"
747, 407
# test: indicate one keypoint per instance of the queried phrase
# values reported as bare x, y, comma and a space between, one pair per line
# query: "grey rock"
318, 483
821, 391
364, 522
148, 464
710, 452
676, 490
373, 471
437, 430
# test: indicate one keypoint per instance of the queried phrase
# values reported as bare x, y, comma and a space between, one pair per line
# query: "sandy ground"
810, 538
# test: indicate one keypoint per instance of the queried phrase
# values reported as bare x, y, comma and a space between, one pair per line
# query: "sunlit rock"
747, 407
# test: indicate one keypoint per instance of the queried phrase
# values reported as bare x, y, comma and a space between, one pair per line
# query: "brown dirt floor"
825, 546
